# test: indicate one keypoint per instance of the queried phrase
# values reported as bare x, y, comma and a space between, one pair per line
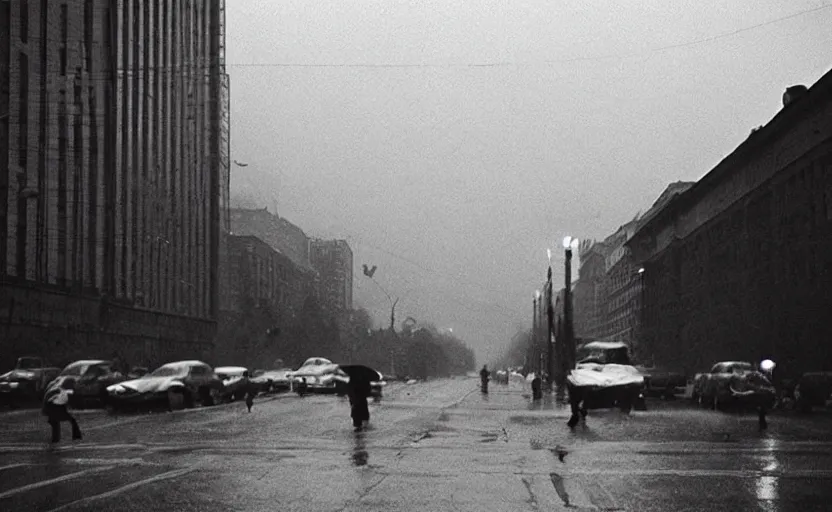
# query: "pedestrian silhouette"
55, 409
250, 392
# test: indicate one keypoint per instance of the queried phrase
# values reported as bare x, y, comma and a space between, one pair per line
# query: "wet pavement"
432, 446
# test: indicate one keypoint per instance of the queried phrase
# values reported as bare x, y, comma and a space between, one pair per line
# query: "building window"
24, 20
23, 106
88, 19
64, 37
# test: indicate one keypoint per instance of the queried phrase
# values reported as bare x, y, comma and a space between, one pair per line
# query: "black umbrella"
360, 374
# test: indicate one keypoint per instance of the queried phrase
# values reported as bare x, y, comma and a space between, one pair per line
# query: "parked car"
318, 373
604, 378
662, 382
234, 384
174, 385
92, 377
28, 380
813, 389
272, 380
137, 372
734, 383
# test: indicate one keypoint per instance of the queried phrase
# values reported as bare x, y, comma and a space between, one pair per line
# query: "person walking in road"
250, 392
484, 375
55, 409
359, 409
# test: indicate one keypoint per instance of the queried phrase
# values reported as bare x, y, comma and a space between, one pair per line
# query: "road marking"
99, 462
39, 447
12, 466
111, 424
129, 487
792, 473
51, 481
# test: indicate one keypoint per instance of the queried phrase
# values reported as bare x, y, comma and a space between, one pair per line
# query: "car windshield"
603, 355
28, 363
169, 371
75, 370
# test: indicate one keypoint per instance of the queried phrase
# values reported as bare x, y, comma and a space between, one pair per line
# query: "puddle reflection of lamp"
767, 485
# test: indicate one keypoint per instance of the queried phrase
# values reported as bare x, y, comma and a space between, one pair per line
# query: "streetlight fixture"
369, 273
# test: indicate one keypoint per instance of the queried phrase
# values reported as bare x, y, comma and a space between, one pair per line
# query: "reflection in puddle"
767, 487
359, 451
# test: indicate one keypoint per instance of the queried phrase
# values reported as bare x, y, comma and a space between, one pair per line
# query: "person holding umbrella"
55, 409
358, 390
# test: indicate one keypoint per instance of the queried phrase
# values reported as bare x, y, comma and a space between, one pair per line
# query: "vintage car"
663, 382
137, 372
813, 389
604, 378
315, 375
173, 385
271, 380
27, 381
92, 378
233, 381
734, 383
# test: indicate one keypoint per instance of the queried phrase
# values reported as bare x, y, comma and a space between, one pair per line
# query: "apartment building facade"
112, 172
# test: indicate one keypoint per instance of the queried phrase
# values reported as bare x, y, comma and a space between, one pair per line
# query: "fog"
451, 143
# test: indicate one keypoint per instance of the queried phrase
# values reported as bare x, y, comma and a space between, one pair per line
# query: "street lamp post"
369, 273
567, 363
535, 327
639, 314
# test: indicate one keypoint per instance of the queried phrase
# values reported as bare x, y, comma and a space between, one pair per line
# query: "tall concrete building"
333, 260
113, 173
738, 266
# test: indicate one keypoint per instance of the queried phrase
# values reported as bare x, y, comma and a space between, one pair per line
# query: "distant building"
276, 231
588, 301
333, 260
113, 176
621, 289
738, 266
262, 277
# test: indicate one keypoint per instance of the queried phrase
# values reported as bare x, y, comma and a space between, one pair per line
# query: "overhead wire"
210, 62
496, 64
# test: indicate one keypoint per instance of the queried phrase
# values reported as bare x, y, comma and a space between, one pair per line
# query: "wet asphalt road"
432, 446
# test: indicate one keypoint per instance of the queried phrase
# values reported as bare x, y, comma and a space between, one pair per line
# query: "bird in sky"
240, 164
369, 271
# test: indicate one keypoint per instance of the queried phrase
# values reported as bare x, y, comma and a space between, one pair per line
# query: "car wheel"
177, 400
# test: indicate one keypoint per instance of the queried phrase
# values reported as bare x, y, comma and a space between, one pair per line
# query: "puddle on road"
530, 420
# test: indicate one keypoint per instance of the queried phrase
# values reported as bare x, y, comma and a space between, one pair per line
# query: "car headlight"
14, 385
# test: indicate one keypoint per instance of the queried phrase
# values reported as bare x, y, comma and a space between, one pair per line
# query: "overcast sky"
451, 142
